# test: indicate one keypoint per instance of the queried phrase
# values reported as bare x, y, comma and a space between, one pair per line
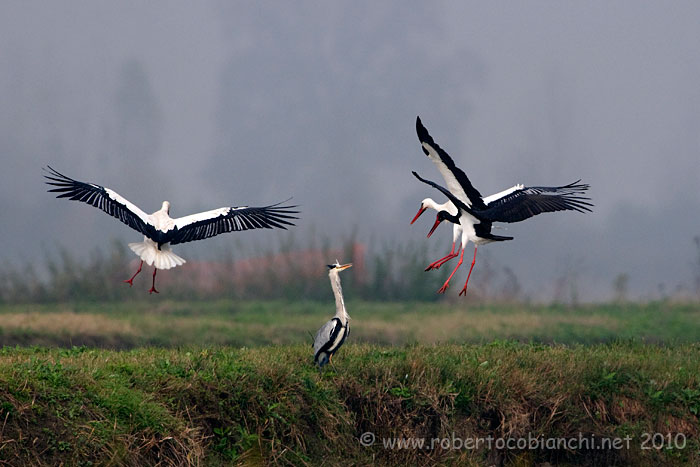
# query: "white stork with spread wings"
475, 214
159, 229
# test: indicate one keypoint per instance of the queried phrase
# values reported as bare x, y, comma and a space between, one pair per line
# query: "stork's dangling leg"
441, 261
447, 282
453, 255
464, 290
131, 281
153, 285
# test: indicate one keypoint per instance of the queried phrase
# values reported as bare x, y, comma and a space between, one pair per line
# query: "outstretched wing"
210, 223
103, 198
520, 202
457, 181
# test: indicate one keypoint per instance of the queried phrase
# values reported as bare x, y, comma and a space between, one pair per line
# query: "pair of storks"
473, 215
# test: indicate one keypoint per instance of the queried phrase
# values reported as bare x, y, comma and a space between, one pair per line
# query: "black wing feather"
531, 201
472, 193
97, 196
235, 220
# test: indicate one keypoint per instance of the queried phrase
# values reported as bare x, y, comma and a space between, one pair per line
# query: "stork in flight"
473, 215
457, 182
331, 336
159, 229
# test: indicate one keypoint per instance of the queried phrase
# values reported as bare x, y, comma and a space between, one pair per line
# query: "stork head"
425, 204
441, 216
337, 267
165, 207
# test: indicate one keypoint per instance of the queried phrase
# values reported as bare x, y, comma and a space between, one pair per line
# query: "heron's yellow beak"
344, 266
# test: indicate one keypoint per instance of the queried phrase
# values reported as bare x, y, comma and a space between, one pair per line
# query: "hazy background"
208, 104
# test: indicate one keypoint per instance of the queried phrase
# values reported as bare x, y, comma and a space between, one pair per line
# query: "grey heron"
159, 229
331, 336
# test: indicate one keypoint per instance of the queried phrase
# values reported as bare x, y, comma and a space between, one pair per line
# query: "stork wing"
103, 198
520, 202
457, 181
456, 201
210, 223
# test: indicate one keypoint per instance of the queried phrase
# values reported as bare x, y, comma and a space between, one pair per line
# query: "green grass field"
206, 383
126, 325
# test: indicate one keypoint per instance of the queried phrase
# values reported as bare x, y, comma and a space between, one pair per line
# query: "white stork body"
475, 214
159, 229
148, 250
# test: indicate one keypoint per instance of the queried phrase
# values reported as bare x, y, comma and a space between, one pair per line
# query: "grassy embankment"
268, 404
204, 402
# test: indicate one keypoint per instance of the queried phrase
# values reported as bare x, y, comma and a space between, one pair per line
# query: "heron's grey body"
331, 336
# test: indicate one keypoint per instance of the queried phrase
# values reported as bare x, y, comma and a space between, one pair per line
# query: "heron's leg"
464, 290
441, 261
131, 281
447, 282
153, 285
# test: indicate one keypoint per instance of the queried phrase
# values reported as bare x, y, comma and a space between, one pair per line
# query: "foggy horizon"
216, 104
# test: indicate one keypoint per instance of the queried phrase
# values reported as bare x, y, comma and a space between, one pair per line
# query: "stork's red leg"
447, 282
447, 258
131, 281
441, 261
464, 290
153, 285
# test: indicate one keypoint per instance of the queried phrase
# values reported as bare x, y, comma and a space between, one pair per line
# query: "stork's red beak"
420, 211
437, 222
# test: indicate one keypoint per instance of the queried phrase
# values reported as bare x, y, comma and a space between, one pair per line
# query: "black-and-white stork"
159, 229
457, 182
331, 336
475, 214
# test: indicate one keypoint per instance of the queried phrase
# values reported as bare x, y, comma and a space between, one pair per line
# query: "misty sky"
209, 104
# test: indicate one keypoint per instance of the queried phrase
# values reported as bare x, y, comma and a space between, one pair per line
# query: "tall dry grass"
290, 270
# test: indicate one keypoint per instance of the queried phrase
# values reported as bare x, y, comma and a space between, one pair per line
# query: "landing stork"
457, 182
159, 229
475, 214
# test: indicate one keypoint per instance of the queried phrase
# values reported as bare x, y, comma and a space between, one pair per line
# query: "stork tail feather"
162, 259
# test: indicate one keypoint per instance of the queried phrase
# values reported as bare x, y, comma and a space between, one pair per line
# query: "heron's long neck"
340, 311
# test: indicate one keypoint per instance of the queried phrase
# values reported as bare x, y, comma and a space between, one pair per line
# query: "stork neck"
452, 218
446, 206
340, 311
